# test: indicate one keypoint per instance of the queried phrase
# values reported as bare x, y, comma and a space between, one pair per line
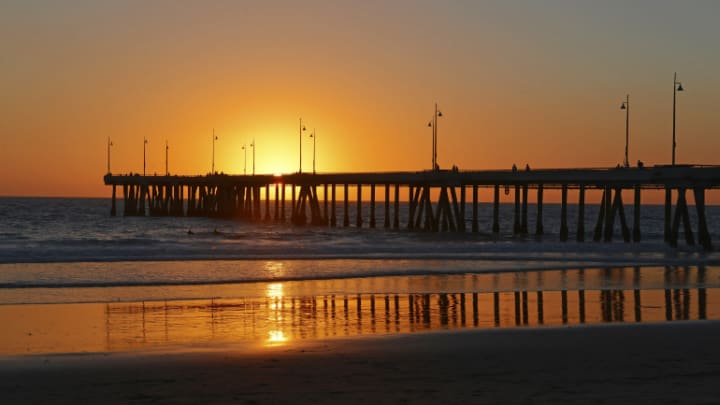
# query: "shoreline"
638, 363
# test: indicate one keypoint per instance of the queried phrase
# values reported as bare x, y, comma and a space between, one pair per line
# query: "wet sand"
641, 363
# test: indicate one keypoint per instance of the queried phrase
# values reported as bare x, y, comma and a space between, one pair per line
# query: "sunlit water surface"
74, 279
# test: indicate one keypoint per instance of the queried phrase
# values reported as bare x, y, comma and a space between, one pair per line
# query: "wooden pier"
436, 199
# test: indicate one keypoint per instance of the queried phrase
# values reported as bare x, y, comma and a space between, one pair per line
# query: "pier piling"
563, 214
539, 229
496, 209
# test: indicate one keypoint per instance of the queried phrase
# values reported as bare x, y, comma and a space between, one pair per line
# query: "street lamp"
314, 137
252, 145
144, 153
244, 160
167, 172
433, 125
109, 145
302, 128
626, 106
214, 138
677, 86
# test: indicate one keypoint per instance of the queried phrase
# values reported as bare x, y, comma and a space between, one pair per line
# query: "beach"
95, 309
648, 363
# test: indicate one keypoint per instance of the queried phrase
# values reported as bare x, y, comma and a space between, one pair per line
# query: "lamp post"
302, 128
214, 138
144, 153
677, 86
433, 125
313, 135
167, 172
626, 106
252, 145
244, 160
108, 154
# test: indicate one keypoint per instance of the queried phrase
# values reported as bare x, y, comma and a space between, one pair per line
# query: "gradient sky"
536, 82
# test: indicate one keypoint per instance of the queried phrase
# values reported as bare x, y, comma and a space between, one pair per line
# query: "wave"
318, 268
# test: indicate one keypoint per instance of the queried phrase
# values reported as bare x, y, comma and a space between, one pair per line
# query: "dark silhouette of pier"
437, 199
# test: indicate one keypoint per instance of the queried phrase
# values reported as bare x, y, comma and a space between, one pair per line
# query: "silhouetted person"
640, 164
514, 168
527, 167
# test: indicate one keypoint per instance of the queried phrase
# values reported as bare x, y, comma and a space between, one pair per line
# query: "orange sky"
517, 82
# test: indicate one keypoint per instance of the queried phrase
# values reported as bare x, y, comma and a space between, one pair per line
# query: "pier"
437, 200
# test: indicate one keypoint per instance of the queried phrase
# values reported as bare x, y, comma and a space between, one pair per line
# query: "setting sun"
323, 201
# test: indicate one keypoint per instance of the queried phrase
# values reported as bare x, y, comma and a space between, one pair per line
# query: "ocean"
268, 279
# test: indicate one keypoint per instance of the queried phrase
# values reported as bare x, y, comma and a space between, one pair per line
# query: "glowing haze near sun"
518, 82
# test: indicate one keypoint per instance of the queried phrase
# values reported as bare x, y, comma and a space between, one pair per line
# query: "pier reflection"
279, 319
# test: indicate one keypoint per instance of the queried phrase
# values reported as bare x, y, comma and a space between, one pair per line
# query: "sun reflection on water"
274, 290
276, 336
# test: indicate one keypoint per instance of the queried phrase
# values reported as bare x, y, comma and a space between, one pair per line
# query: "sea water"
75, 279
52, 245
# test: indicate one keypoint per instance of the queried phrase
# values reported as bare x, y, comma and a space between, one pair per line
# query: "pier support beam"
447, 216
126, 200
307, 197
524, 216
282, 202
113, 210
703, 234
277, 202
580, 237
516, 213
294, 201
681, 214
539, 229
475, 225
372, 205
346, 219
668, 212
143, 195
563, 214
412, 204
326, 217
496, 209
422, 216
636, 214
396, 218
620, 208
333, 217
609, 215
386, 222
257, 214
461, 213
604, 203
358, 219
609, 207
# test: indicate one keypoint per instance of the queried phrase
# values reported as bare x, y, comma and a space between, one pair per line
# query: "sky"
518, 82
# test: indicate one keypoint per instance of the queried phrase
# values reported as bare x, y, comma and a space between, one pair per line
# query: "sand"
645, 363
